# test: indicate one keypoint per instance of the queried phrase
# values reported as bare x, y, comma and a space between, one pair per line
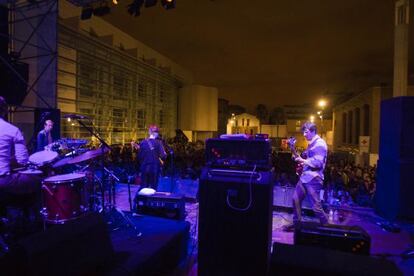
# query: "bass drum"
64, 198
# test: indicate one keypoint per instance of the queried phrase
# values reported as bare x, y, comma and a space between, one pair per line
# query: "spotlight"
101, 11
168, 4
86, 13
135, 7
150, 3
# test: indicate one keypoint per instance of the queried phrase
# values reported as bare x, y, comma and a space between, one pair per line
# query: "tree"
262, 113
277, 116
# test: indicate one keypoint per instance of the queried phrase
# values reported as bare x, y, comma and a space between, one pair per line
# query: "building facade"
115, 81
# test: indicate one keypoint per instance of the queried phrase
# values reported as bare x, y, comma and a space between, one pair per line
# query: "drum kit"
69, 187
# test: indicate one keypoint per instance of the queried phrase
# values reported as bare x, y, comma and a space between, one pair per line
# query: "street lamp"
312, 118
322, 103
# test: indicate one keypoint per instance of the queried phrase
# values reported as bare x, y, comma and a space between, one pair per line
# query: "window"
141, 118
357, 125
344, 123
141, 90
298, 126
401, 11
161, 119
366, 120
350, 124
162, 93
118, 119
248, 122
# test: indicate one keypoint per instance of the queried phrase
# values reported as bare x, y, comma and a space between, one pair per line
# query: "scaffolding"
120, 94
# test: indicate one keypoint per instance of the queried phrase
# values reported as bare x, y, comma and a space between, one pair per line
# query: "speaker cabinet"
235, 222
290, 259
161, 205
14, 87
352, 239
394, 191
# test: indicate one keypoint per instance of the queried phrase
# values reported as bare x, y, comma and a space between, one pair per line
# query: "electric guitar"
291, 143
136, 146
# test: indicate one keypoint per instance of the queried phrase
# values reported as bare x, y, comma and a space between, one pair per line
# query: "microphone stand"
172, 174
108, 215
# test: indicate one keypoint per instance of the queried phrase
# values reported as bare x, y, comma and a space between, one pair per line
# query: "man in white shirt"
13, 150
311, 179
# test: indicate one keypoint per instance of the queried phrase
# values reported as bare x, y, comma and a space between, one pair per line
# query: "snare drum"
43, 157
64, 198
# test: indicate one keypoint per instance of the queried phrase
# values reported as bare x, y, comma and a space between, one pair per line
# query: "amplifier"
162, 205
239, 154
351, 239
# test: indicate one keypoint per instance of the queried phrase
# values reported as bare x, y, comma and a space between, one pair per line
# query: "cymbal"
62, 162
88, 155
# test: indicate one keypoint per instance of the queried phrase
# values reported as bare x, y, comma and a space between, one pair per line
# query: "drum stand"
111, 210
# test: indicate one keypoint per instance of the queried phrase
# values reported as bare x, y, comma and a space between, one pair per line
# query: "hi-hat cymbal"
88, 155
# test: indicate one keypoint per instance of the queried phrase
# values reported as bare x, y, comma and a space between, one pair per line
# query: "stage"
147, 245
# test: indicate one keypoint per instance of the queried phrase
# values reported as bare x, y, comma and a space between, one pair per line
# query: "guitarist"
311, 179
150, 155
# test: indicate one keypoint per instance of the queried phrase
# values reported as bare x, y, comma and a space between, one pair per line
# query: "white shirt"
315, 162
11, 144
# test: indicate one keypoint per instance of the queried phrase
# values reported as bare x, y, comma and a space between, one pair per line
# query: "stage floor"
383, 243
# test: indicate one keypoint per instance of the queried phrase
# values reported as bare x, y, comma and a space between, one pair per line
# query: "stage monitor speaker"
235, 222
352, 239
394, 190
283, 196
162, 205
79, 247
4, 30
188, 188
290, 259
14, 88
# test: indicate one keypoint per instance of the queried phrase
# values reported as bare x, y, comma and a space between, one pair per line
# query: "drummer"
44, 137
12, 147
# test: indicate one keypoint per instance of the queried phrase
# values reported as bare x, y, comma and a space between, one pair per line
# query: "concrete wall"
198, 108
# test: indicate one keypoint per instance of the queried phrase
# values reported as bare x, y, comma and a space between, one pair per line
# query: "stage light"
150, 3
168, 4
115, 2
135, 7
86, 13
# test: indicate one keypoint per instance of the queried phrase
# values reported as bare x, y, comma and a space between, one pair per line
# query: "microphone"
74, 116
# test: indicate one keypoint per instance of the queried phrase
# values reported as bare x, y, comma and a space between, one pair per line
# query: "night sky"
270, 51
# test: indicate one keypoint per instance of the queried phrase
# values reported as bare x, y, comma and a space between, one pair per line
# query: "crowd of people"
184, 159
349, 182
344, 181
